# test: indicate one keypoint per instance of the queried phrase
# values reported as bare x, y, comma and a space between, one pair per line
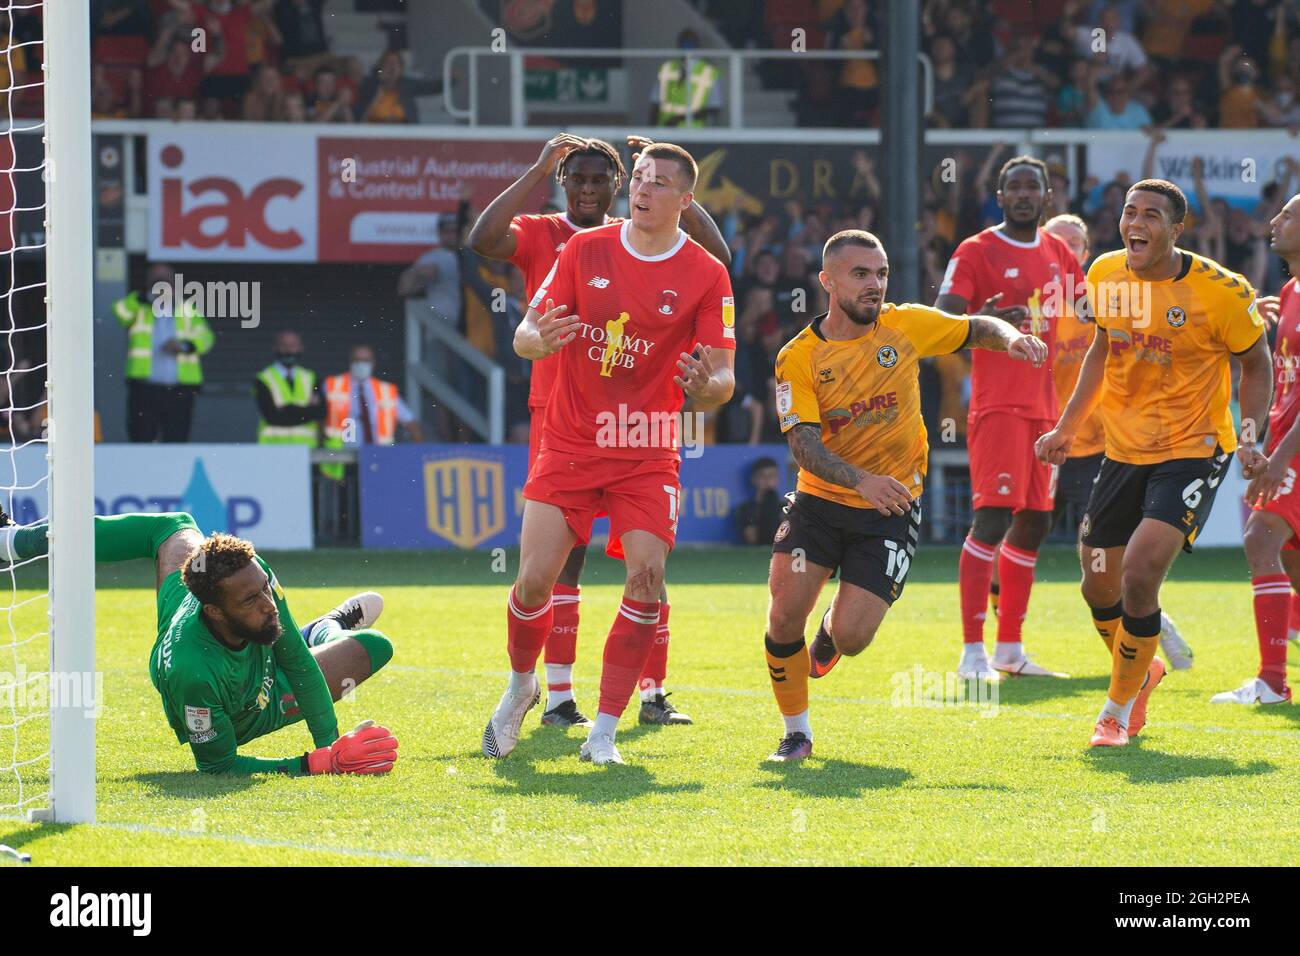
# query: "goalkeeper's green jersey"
216, 698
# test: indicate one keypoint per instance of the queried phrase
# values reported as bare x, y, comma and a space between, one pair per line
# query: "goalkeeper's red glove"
368, 749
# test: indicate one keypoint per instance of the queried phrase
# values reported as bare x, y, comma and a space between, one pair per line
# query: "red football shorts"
1004, 472
535, 418
1287, 504
638, 495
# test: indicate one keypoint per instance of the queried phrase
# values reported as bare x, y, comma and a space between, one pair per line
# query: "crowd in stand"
1029, 64
255, 60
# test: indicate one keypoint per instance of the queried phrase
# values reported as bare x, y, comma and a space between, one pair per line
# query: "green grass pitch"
890, 782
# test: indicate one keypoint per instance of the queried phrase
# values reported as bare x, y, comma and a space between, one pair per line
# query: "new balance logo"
600, 282
1012, 273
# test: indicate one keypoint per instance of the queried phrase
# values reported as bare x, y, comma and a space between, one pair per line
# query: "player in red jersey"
1030, 272
591, 173
1272, 537
639, 313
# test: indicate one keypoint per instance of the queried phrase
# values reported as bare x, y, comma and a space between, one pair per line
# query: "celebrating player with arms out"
1014, 265
1272, 542
1074, 478
848, 396
1167, 322
626, 306
229, 661
591, 173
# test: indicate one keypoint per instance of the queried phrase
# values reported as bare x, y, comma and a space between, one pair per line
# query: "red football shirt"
538, 243
1286, 366
1040, 275
233, 25
614, 392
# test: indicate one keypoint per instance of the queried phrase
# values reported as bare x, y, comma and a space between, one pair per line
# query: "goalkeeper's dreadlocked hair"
220, 556
595, 147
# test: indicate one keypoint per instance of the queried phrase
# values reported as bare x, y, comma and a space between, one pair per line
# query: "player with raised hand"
591, 174
1022, 274
638, 313
1168, 322
229, 661
1272, 537
849, 401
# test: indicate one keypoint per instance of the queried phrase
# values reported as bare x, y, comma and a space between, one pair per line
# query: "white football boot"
1253, 691
502, 731
600, 750
975, 665
1176, 648
355, 614
1025, 666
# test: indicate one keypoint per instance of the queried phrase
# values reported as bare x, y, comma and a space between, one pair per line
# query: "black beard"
265, 636
859, 314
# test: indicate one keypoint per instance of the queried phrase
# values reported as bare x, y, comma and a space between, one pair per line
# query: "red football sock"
974, 572
1293, 622
1016, 569
626, 649
562, 642
1272, 607
656, 665
526, 631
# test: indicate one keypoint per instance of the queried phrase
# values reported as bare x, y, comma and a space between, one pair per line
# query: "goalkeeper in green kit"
229, 660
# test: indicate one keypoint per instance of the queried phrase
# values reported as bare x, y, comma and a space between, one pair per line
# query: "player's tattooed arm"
173, 552
806, 446
884, 493
996, 335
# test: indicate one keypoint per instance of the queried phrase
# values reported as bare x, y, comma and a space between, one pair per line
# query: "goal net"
50, 692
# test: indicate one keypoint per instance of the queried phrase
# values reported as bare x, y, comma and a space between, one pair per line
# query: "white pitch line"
285, 845
1015, 710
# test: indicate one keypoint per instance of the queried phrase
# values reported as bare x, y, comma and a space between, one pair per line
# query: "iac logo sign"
222, 200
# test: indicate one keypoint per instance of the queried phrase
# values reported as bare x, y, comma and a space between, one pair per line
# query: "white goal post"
69, 309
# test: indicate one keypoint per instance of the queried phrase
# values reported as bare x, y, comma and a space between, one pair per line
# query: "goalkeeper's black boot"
566, 714
657, 710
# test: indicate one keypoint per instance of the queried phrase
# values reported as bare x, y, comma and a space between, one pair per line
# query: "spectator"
1179, 109
974, 39
361, 409
1281, 108
329, 103
1106, 42
164, 108
686, 87
1072, 98
1020, 88
163, 371
264, 37
1251, 26
386, 95
295, 109
1114, 109
1168, 22
228, 26
303, 45
104, 100
265, 100
187, 110
175, 72
436, 274
1239, 98
121, 18
953, 85
288, 396
757, 519
856, 95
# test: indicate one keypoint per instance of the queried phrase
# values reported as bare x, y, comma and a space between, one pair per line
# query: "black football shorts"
864, 547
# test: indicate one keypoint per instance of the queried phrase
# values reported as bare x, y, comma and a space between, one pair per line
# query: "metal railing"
735, 60
490, 425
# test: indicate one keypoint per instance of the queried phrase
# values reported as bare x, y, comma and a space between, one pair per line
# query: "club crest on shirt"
667, 300
887, 356
1175, 316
